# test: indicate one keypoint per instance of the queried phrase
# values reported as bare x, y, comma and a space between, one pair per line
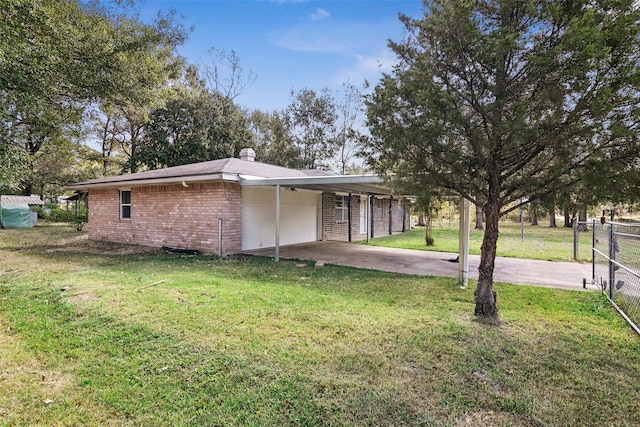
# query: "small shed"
15, 211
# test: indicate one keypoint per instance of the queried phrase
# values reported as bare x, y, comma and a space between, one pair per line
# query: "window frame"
342, 207
124, 205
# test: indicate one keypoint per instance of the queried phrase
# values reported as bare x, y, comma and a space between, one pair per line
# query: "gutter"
311, 180
155, 181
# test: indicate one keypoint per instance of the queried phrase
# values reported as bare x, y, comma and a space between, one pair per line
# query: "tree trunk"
552, 217
27, 187
567, 218
428, 230
582, 220
421, 219
533, 214
479, 218
485, 297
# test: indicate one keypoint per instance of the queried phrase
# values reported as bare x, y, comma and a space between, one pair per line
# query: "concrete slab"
561, 275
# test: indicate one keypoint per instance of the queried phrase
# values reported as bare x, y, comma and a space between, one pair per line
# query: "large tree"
273, 144
311, 125
194, 126
224, 75
350, 117
58, 57
502, 99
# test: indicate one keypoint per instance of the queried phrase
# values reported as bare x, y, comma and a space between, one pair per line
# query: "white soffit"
359, 184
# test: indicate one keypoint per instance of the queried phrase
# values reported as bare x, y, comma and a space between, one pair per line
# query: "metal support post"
277, 248
371, 203
349, 215
612, 257
575, 239
390, 215
463, 245
404, 214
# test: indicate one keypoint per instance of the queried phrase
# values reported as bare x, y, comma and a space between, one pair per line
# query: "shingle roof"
229, 166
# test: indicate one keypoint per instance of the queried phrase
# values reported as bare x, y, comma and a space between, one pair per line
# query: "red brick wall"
171, 215
339, 230
381, 226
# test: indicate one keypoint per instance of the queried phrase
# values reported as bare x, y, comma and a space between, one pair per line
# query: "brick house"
232, 205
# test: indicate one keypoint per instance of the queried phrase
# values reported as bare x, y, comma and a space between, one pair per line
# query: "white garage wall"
298, 217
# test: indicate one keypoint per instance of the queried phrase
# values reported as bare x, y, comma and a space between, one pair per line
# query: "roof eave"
362, 184
155, 181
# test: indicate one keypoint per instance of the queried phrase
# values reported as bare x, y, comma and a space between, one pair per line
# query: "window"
125, 204
342, 208
379, 210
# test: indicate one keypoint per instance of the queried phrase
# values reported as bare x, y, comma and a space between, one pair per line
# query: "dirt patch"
82, 244
487, 418
82, 298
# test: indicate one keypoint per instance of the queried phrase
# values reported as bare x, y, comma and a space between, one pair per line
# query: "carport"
364, 185
551, 274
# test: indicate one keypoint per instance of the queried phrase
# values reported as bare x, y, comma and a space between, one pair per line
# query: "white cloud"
320, 14
367, 67
324, 38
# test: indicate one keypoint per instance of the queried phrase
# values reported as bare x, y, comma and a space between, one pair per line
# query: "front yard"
97, 334
540, 242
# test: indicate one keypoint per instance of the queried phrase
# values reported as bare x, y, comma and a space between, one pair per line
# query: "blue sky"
294, 43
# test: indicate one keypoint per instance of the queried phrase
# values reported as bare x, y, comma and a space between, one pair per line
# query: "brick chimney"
247, 154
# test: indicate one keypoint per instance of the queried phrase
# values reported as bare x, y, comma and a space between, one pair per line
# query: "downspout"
219, 237
349, 215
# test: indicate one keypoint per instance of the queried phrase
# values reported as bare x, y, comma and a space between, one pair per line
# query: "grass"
540, 242
249, 342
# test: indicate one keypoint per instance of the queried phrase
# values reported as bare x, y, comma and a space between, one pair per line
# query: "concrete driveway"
562, 275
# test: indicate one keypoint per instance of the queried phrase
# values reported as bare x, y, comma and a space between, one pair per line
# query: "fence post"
612, 256
575, 239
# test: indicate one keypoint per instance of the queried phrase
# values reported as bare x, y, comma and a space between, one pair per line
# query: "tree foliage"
193, 126
500, 99
273, 144
349, 117
224, 75
58, 57
311, 123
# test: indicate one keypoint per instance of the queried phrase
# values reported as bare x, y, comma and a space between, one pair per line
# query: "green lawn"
540, 242
251, 342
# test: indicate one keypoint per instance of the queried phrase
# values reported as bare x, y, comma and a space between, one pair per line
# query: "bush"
55, 212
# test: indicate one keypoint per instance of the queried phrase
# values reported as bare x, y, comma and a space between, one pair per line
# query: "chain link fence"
616, 266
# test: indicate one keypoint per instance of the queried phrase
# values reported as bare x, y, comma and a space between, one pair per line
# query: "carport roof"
359, 184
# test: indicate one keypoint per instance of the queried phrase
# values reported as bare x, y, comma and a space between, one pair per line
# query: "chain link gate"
616, 266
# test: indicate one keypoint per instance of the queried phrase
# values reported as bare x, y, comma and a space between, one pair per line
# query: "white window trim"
344, 209
122, 218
